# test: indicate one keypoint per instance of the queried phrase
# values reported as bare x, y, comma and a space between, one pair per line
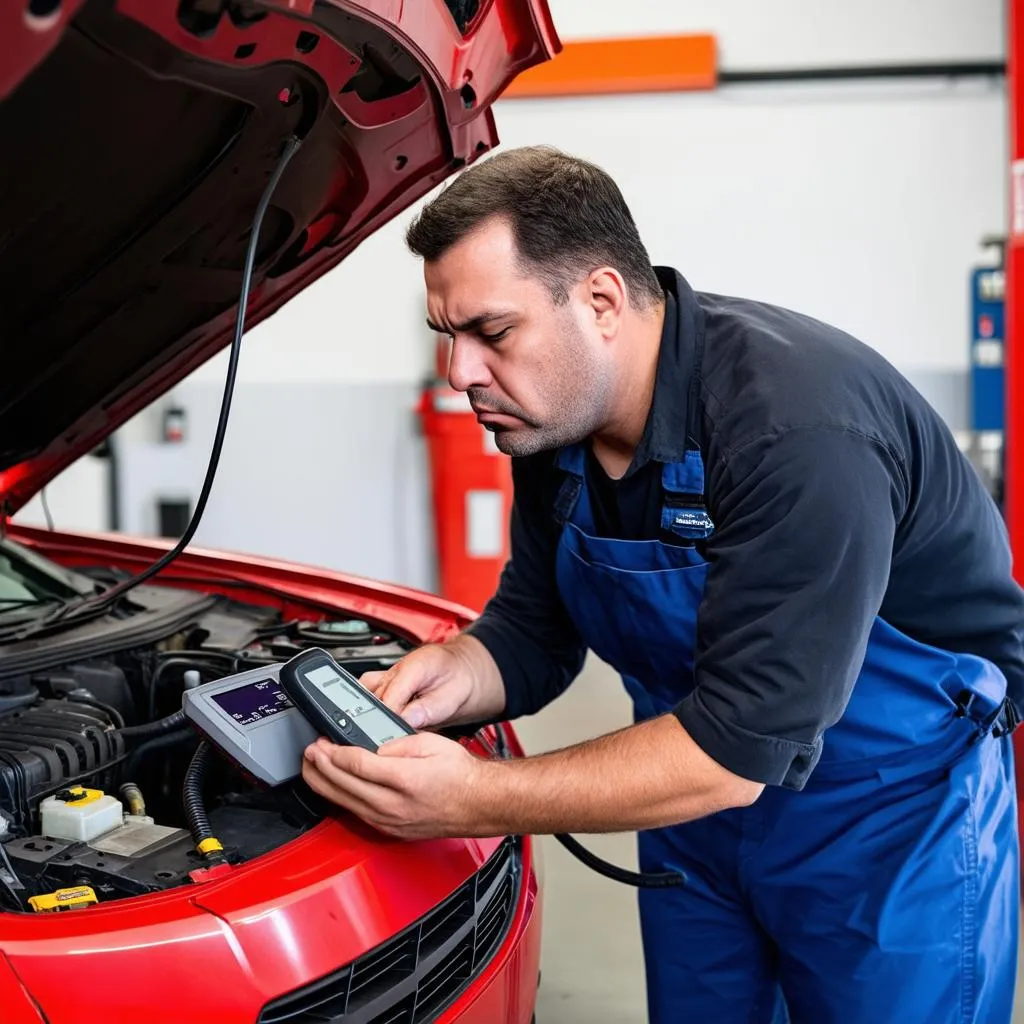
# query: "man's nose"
467, 366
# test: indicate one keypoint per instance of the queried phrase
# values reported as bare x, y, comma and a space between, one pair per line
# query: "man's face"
537, 374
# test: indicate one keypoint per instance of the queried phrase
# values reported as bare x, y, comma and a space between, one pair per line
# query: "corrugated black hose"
195, 810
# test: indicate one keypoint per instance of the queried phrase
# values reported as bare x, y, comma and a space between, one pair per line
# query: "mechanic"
806, 588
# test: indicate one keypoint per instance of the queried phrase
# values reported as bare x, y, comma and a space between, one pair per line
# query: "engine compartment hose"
151, 746
640, 880
12, 701
195, 810
160, 727
186, 664
131, 795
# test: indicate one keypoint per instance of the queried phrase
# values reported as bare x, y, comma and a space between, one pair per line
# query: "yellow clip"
63, 899
209, 846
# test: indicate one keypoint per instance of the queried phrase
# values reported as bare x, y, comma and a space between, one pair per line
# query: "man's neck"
615, 444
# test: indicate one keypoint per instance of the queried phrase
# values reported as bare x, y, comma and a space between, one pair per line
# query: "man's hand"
442, 684
426, 786
416, 787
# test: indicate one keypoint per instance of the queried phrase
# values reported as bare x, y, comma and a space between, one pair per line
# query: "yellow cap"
80, 796
63, 899
209, 845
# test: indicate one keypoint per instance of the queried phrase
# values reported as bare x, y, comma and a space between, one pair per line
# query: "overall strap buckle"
1007, 720
1002, 723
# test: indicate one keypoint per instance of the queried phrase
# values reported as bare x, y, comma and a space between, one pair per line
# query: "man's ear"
608, 300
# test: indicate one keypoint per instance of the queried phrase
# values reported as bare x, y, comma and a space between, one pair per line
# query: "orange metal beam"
601, 66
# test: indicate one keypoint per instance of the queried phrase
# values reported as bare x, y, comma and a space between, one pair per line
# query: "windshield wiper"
12, 604
36, 625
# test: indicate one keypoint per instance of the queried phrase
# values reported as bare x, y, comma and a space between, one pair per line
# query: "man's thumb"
418, 714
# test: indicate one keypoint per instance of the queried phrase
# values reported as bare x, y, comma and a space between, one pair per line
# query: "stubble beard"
580, 397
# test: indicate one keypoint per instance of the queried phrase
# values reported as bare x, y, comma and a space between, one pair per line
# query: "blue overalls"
885, 891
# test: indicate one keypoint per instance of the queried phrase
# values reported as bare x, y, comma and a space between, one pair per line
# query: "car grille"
415, 976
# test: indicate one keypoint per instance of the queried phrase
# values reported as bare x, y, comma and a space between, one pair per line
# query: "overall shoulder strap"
571, 461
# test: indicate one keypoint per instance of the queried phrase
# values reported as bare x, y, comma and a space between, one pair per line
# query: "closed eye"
495, 337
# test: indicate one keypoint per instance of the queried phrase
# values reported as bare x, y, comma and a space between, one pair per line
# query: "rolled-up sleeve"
798, 568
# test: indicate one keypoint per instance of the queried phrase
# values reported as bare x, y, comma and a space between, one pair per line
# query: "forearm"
646, 776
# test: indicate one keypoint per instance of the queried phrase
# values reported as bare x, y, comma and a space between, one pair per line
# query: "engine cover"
47, 745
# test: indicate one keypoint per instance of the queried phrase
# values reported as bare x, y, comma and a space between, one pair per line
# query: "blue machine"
988, 401
988, 309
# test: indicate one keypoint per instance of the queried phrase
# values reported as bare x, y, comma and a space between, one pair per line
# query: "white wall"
759, 34
860, 204
78, 499
363, 322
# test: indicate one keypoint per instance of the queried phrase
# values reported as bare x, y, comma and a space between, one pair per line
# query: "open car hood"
138, 136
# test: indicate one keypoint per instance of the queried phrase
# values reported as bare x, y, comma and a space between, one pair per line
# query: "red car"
138, 139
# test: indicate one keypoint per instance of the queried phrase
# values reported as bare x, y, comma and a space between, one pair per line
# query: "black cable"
641, 880
144, 750
108, 597
92, 702
185, 663
148, 730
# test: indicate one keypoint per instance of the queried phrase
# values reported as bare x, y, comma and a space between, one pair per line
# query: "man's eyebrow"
469, 325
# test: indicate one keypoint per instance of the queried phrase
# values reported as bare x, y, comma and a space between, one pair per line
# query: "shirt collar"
665, 437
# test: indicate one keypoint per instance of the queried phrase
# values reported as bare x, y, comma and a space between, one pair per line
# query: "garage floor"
592, 966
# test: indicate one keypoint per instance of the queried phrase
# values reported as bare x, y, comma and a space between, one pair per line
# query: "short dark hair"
568, 217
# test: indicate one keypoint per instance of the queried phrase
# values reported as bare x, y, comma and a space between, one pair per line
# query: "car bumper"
169, 971
506, 990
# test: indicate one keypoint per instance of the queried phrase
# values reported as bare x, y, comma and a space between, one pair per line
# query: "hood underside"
138, 136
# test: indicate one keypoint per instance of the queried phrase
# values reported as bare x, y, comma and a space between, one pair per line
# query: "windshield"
29, 582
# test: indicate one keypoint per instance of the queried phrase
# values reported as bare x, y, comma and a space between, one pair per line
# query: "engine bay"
89, 742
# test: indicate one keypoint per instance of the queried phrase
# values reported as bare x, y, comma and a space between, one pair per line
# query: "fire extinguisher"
471, 488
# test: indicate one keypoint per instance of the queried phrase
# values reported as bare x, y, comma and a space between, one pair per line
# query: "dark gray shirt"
838, 494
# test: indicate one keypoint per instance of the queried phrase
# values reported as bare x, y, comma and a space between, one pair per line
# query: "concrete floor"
592, 968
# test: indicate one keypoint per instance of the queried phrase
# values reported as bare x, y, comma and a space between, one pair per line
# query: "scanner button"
342, 721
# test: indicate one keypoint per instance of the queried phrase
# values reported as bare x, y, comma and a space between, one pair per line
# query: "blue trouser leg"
896, 899
884, 899
707, 960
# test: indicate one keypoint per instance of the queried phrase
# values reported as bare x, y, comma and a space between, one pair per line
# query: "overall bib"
885, 891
